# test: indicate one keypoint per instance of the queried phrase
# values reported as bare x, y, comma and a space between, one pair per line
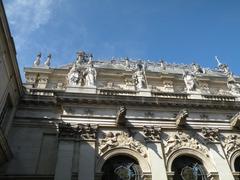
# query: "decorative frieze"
210, 134
79, 131
182, 140
152, 133
120, 139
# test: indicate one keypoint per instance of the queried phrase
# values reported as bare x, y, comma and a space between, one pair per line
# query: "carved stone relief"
182, 140
152, 133
78, 131
139, 77
231, 143
211, 134
120, 139
190, 81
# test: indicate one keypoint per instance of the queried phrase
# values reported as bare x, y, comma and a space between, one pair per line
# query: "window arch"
187, 167
121, 167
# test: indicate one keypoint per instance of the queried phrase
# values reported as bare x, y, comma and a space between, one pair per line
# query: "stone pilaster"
156, 160
218, 156
86, 169
63, 169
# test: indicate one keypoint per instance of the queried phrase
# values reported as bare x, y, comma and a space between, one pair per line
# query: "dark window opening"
237, 164
188, 168
121, 168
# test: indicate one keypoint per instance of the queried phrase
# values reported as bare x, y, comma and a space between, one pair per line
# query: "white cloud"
26, 16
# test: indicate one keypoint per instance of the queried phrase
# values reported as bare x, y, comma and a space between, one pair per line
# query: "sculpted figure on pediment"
190, 81
231, 143
120, 139
182, 140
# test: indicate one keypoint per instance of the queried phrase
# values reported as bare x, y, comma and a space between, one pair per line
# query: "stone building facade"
117, 119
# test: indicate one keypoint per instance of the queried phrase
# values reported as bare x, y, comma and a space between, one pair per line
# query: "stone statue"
162, 65
190, 81
139, 77
127, 63
232, 85
90, 75
197, 68
74, 76
37, 60
80, 57
222, 67
48, 61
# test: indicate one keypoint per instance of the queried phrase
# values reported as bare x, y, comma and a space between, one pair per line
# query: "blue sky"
180, 31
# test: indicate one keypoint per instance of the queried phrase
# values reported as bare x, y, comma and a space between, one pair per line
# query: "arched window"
237, 164
188, 168
121, 168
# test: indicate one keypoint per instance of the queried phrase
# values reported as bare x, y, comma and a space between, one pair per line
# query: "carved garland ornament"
120, 139
182, 140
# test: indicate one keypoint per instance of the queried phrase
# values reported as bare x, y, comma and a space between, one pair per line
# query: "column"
157, 161
87, 157
220, 160
63, 169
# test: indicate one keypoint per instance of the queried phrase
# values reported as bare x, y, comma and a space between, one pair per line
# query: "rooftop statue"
48, 61
190, 81
139, 77
90, 75
232, 85
162, 65
37, 60
80, 57
197, 68
222, 67
74, 76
